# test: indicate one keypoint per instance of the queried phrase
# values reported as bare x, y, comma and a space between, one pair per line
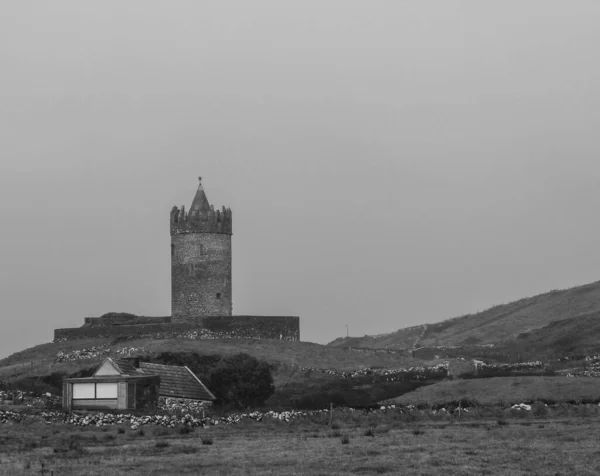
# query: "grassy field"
505, 391
365, 444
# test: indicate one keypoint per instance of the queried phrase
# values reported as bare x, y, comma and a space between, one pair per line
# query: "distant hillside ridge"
500, 324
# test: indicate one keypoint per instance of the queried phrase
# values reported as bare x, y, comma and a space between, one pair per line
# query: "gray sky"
388, 163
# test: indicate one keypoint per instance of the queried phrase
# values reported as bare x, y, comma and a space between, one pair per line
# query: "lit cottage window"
84, 391
106, 390
94, 391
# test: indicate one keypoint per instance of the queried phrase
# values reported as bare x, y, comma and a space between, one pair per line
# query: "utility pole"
347, 334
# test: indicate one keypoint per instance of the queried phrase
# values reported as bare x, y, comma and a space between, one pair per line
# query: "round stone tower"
200, 260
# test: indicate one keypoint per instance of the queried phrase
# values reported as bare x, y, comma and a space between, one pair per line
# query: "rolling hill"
538, 320
503, 391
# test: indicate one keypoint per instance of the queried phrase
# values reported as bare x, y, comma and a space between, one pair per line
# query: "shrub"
539, 409
162, 444
502, 422
369, 432
417, 431
185, 449
186, 430
345, 440
207, 440
121, 431
242, 381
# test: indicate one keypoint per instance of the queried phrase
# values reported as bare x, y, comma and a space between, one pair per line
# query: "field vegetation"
505, 391
354, 443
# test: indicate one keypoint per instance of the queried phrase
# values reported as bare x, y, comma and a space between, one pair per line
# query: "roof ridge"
200, 382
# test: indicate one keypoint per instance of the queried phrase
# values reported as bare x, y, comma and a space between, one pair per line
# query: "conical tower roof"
200, 202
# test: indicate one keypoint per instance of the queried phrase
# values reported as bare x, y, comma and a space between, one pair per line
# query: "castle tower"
200, 260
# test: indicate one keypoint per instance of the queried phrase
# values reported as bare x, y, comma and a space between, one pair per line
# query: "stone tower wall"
200, 275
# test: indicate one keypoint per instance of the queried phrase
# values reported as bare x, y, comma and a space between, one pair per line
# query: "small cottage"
128, 384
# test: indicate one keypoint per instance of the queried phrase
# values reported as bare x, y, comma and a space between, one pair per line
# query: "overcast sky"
388, 163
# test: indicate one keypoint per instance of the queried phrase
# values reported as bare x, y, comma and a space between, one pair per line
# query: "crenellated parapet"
201, 221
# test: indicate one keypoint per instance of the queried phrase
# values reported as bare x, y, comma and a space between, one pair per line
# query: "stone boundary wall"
226, 327
121, 331
268, 327
124, 320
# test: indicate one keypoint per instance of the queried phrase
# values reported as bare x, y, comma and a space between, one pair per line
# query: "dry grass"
505, 391
501, 323
566, 446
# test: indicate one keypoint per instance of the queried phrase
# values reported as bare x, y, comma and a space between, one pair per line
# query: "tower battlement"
201, 221
201, 218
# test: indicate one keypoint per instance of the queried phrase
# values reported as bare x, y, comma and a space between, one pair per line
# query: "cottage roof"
178, 382
125, 366
175, 381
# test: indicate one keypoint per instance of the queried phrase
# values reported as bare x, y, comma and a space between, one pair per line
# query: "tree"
242, 381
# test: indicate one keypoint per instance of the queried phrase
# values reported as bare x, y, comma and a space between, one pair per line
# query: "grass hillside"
504, 391
499, 324
35, 369
576, 335
38, 360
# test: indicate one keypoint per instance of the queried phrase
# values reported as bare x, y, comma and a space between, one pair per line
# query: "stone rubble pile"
82, 354
6, 416
29, 399
99, 351
413, 373
125, 351
536, 364
169, 404
373, 351
592, 366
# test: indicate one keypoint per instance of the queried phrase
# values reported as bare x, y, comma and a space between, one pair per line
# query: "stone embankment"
189, 420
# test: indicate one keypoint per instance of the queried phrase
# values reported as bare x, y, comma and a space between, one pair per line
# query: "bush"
186, 430
539, 409
345, 440
162, 444
207, 440
242, 381
369, 432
